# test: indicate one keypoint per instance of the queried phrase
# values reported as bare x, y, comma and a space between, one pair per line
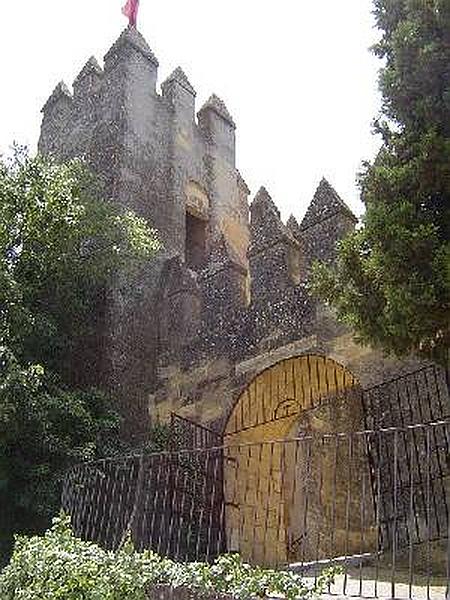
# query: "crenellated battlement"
177, 80
327, 220
215, 105
128, 43
130, 70
61, 94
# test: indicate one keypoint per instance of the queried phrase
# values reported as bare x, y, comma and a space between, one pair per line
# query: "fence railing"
188, 434
421, 396
375, 502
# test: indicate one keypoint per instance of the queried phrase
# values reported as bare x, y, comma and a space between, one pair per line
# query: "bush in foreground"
59, 566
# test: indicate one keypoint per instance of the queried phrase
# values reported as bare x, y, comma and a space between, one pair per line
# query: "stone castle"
220, 327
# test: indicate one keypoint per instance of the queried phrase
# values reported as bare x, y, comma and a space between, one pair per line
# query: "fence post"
137, 500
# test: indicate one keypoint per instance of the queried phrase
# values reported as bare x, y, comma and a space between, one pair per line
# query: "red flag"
130, 10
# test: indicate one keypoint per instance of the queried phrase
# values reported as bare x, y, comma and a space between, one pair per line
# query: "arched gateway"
290, 494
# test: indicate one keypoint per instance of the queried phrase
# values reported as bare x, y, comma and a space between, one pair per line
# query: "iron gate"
173, 502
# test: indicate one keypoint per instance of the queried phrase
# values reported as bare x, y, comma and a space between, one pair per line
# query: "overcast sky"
296, 75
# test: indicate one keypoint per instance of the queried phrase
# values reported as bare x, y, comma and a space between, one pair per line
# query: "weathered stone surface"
220, 327
227, 296
217, 105
151, 156
325, 204
327, 220
180, 77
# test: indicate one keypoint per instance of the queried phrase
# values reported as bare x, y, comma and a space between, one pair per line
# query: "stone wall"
228, 292
220, 327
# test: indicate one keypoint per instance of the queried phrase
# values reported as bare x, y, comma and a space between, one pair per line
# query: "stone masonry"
227, 296
219, 327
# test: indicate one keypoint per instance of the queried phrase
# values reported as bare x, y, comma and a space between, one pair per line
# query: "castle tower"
151, 155
57, 113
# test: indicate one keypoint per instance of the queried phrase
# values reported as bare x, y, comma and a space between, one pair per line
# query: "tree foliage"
391, 282
58, 565
60, 246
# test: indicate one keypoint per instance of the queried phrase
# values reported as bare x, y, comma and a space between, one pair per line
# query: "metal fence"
421, 396
376, 502
187, 434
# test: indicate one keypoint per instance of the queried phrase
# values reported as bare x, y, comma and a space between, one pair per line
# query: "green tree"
60, 247
391, 281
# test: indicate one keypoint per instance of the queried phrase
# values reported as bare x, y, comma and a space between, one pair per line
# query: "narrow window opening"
195, 242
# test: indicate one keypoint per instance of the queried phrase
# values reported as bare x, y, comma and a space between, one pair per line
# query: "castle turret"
327, 220
228, 212
131, 53
89, 80
56, 122
274, 253
126, 137
86, 106
218, 127
181, 94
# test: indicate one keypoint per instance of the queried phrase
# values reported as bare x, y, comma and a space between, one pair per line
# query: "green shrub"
59, 566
